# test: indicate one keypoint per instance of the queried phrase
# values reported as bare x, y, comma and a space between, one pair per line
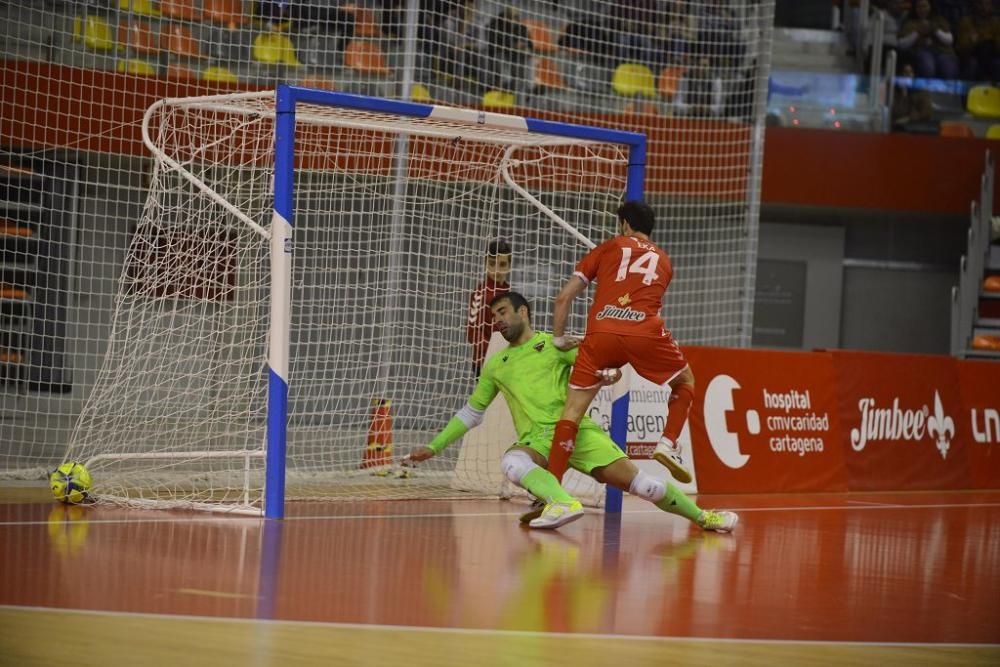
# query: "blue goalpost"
288, 100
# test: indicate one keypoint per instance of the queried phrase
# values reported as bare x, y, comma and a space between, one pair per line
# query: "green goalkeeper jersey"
533, 377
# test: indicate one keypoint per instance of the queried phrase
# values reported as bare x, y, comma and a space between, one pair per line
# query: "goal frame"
287, 99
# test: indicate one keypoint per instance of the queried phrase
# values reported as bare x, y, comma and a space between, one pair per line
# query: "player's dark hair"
516, 301
639, 216
497, 247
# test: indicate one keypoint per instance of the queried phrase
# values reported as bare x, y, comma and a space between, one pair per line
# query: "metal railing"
965, 296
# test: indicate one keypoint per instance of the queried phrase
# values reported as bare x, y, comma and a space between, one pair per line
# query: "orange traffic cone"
378, 453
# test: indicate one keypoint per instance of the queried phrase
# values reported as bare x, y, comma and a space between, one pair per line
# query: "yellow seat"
419, 93
984, 101
139, 7
94, 31
272, 48
631, 79
498, 99
136, 67
219, 75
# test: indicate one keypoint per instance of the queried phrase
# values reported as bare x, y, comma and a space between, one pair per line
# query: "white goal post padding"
392, 217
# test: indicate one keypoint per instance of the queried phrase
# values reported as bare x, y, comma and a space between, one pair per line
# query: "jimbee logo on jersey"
615, 313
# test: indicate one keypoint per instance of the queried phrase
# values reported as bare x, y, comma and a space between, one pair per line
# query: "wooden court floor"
886, 579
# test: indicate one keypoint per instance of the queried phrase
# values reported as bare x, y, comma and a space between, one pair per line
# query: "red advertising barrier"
900, 421
765, 421
980, 418
768, 421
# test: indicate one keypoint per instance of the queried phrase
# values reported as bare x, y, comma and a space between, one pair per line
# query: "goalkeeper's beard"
512, 332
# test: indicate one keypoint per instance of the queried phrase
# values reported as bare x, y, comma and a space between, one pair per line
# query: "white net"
390, 240
78, 75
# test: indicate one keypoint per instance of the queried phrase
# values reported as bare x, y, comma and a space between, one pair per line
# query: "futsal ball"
70, 483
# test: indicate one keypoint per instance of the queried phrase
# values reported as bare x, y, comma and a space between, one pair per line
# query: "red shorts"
656, 359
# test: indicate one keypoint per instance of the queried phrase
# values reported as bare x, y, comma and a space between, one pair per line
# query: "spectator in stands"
508, 48
910, 106
700, 93
635, 26
926, 42
895, 15
458, 57
310, 17
718, 32
590, 38
978, 34
434, 44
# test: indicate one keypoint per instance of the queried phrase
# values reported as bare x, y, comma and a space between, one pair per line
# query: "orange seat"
669, 81
137, 36
951, 128
986, 342
547, 74
365, 23
226, 12
541, 36
991, 284
320, 82
365, 57
177, 39
183, 10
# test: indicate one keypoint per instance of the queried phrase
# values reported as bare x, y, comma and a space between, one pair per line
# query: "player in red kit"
480, 321
624, 327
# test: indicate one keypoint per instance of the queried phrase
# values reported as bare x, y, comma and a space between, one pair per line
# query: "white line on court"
480, 515
485, 631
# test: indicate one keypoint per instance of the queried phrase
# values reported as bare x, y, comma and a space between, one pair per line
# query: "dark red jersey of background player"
632, 276
480, 320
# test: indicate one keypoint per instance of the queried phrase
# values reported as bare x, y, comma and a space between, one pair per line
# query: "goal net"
392, 217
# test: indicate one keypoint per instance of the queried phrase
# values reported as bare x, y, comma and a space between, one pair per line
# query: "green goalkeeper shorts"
594, 448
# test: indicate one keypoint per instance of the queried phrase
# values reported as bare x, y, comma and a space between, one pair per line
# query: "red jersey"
632, 276
480, 321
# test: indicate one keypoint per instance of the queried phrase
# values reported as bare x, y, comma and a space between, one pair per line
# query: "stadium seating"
139, 7
365, 23
318, 81
669, 81
182, 10
137, 36
547, 74
632, 79
420, 93
365, 57
217, 74
498, 99
177, 40
953, 128
94, 31
224, 12
136, 67
274, 48
984, 101
542, 40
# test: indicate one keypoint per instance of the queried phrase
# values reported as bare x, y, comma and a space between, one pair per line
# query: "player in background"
480, 321
532, 374
624, 327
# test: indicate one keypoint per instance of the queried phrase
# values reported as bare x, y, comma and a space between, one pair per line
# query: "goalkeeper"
533, 373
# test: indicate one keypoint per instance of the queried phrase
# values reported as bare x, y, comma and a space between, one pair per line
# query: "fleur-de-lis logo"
941, 427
